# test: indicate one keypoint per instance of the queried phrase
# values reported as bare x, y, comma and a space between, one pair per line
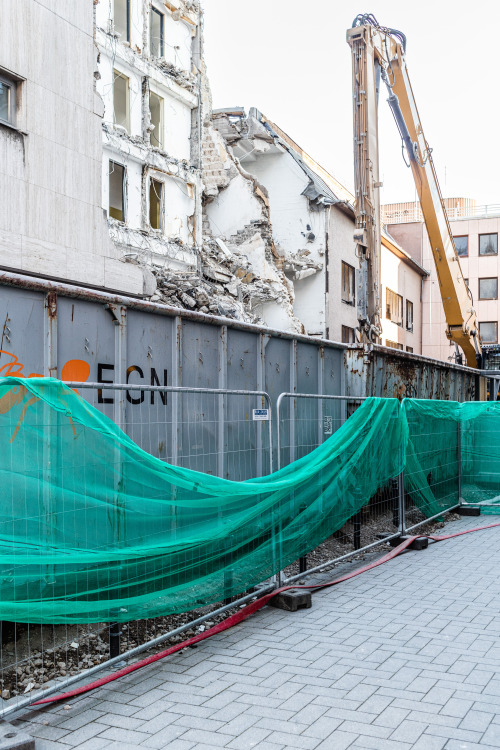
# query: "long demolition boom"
378, 53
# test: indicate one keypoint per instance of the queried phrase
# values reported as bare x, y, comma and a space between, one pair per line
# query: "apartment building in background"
475, 230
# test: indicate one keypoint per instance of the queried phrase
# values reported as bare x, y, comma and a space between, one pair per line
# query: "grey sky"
290, 60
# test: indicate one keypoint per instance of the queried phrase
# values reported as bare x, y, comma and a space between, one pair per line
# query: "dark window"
462, 246
121, 19
488, 288
156, 43
489, 332
488, 244
409, 315
394, 307
393, 345
156, 204
7, 100
348, 284
348, 335
409, 349
117, 191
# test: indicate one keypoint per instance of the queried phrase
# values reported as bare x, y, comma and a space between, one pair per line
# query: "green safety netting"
441, 432
94, 529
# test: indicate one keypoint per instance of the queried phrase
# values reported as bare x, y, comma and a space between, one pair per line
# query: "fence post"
401, 502
114, 639
459, 468
357, 530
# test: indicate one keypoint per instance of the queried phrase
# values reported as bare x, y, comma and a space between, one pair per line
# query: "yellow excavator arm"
378, 53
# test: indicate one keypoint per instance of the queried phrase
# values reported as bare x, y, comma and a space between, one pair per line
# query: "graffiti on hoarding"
78, 371
74, 370
16, 395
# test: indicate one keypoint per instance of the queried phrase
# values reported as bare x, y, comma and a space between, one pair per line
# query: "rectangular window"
393, 345
155, 203
488, 244
488, 288
121, 19
117, 191
7, 100
348, 335
156, 42
409, 315
462, 246
394, 307
348, 284
121, 100
489, 332
409, 349
466, 281
156, 109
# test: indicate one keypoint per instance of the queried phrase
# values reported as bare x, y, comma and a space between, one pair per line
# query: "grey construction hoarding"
79, 334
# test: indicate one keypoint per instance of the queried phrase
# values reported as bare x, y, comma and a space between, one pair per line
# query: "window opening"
117, 191
394, 307
156, 43
156, 109
393, 345
348, 335
488, 288
7, 100
348, 284
155, 203
488, 244
409, 349
409, 315
489, 332
121, 19
121, 100
462, 246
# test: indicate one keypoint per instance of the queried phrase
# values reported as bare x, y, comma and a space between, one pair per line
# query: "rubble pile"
182, 77
226, 284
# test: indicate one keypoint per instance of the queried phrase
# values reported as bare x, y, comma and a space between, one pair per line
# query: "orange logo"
74, 369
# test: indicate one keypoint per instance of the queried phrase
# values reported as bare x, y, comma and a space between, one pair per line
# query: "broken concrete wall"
268, 179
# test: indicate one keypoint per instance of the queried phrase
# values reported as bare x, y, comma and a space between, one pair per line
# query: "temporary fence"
100, 527
305, 421
219, 432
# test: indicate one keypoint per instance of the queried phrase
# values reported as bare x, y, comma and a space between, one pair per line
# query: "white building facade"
149, 82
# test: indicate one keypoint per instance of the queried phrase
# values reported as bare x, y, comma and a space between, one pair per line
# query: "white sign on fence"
328, 425
260, 415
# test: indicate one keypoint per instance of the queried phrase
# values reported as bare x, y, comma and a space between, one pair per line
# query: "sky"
290, 59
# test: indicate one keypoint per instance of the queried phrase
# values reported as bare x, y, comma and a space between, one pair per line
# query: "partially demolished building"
267, 198
151, 193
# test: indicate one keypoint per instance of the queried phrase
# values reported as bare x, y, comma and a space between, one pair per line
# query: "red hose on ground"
246, 612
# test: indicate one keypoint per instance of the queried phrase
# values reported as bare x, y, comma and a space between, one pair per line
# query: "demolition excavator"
378, 55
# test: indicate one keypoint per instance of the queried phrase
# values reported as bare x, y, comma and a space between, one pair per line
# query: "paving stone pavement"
404, 656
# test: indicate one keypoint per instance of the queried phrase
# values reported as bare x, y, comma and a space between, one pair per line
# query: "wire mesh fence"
220, 433
225, 433
433, 473
304, 422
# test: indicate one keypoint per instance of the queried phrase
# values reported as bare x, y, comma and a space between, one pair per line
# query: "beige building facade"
476, 230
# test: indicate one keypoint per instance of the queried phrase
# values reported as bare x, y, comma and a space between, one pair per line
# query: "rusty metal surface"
384, 372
